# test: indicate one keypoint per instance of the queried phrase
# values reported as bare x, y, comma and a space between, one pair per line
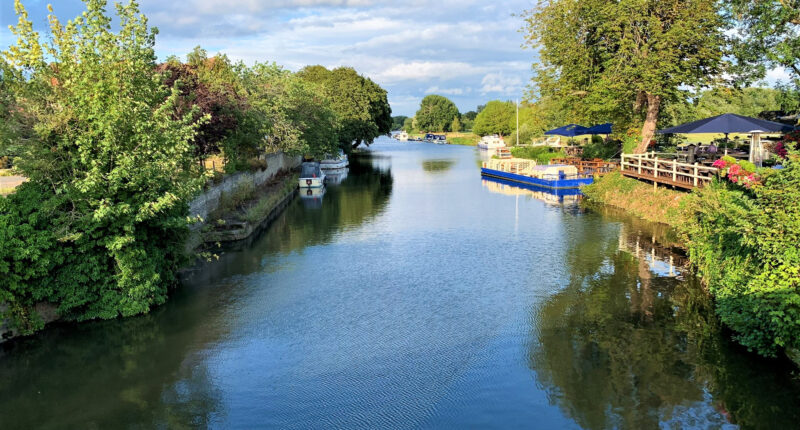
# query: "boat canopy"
310, 170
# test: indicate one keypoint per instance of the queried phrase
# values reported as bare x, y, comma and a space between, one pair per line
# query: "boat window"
309, 171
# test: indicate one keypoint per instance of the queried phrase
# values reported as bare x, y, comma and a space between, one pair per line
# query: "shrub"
745, 245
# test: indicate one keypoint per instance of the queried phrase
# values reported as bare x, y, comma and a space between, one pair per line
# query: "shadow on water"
149, 371
632, 341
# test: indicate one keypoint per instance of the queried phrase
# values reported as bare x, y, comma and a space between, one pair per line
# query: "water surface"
414, 294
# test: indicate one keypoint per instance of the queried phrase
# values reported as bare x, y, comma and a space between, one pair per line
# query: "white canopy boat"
311, 176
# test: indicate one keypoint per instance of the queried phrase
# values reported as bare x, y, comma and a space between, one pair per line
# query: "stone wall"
207, 202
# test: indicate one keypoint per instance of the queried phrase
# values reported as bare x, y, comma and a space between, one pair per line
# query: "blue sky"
467, 50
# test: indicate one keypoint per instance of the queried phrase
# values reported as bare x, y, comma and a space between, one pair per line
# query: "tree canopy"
767, 30
361, 105
398, 121
620, 60
436, 113
496, 118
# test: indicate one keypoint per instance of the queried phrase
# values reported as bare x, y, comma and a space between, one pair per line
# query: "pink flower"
719, 164
735, 169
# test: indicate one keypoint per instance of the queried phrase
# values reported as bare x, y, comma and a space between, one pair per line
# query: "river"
413, 295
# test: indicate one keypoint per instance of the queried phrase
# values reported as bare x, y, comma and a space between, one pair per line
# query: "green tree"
600, 58
408, 125
100, 227
455, 126
361, 105
398, 121
767, 31
436, 113
496, 118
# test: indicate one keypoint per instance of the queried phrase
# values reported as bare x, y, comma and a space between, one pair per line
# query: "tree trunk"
649, 128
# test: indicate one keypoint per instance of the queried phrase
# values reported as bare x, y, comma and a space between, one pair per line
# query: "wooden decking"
666, 171
597, 166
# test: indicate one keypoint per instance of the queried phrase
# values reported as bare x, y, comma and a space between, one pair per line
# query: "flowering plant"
788, 142
738, 172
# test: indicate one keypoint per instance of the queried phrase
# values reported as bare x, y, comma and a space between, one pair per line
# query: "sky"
467, 50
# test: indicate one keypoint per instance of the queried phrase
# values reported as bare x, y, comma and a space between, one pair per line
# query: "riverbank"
661, 205
743, 243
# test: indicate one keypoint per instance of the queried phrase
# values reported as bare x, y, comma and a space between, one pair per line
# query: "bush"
745, 245
541, 154
600, 148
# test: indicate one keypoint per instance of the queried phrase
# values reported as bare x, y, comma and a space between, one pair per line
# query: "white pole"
517, 122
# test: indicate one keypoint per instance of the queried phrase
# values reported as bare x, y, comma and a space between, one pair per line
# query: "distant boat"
311, 175
492, 142
338, 162
402, 136
436, 138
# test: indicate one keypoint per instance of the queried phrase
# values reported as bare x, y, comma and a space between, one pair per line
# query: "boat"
335, 177
338, 162
492, 142
561, 197
553, 176
402, 136
436, 138
311, 175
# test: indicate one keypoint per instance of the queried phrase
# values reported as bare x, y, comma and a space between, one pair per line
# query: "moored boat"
555, 176
338, 162
492, 142
311, 175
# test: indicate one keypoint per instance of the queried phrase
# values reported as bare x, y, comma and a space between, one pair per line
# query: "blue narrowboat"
553, 176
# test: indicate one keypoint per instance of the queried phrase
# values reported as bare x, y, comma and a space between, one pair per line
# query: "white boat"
338, 162
311, 176
492, 142
402, 136
335, 177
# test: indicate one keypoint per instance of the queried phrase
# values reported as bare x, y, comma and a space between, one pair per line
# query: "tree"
496, 118
398, 121
600, 58
408, 125
100, 227
455, 127
471, 115
436, 113
767, 29
361, 105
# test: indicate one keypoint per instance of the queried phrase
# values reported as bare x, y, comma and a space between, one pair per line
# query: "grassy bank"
637, 198
467, 139
542, 155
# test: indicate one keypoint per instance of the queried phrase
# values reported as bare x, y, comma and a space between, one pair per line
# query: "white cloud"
448, 91
778, 74
501, 84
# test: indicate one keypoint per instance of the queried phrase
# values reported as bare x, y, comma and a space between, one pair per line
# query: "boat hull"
311, 182
332, 165
556, 184
483, 145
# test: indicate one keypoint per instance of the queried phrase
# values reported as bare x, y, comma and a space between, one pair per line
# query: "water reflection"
566, 197
630, 344
437, 166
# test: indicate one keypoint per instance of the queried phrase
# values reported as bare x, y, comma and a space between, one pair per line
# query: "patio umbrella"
600, 129
728, 123
570, 130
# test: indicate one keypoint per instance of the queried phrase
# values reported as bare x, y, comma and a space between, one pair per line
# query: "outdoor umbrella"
732, 123
728, 123
600, 129
570, 130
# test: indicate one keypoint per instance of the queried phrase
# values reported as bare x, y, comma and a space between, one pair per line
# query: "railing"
596, 166
650, 166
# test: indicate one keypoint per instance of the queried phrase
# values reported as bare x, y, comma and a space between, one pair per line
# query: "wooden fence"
596, 166
651, 167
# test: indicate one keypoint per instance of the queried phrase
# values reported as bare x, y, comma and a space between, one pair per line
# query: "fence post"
640, 164
622, 162
695, 174
674, 170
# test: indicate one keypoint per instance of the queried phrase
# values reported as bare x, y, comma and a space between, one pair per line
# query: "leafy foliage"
99, 227
599, 58
496, 118
361, 105
436, 113
745, 244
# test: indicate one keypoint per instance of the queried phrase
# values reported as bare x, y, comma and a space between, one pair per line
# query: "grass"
542, 155
7, 172
638, 198
4, 191
467, 139
263, 207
